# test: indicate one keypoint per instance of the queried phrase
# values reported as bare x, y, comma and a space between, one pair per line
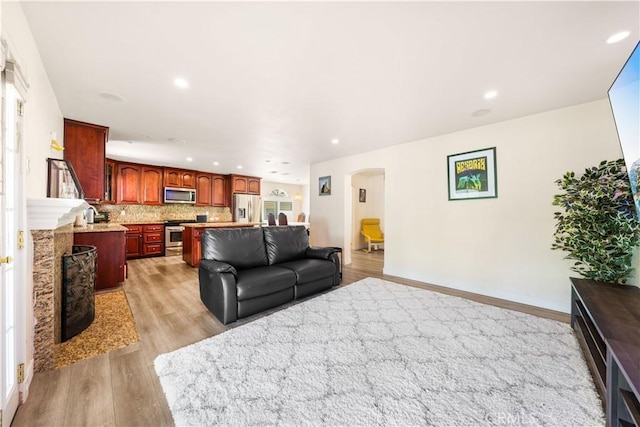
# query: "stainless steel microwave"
179, 195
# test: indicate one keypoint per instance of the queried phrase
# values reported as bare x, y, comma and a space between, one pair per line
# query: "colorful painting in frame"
472, 175
324, 185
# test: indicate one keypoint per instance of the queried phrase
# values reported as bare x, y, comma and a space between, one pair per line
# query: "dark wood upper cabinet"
109, 181
138, 184
84, 146
203, 189
128, 183
244, 184
253, 185
211, 189
151, 183
219, 190
179, 178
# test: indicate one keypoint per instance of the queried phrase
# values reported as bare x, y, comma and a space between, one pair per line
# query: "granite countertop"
99, 228
220, 224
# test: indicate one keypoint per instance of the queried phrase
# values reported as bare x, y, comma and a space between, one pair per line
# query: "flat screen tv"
624, 97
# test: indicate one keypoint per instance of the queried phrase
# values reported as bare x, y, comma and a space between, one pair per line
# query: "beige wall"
42, 114
498, 247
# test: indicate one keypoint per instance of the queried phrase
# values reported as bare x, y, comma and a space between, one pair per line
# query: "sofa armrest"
218, 289
218, 267
320, 253
330, 254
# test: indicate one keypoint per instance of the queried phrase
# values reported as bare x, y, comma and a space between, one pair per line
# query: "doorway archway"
365, 199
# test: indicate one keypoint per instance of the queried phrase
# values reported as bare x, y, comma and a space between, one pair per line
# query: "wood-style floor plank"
131, 383
90, 395
121, 388
48, 397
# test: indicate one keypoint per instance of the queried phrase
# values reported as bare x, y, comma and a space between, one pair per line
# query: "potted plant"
598, 227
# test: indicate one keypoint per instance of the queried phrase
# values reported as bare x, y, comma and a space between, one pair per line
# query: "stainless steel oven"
173, 236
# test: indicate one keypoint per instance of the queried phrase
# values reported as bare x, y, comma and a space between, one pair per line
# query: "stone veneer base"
48, 248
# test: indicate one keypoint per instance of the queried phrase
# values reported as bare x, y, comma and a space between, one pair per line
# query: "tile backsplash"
143, 213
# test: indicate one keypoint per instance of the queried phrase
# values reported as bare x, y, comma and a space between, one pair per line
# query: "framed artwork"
472, 175
363, 195
62, 182
325, 185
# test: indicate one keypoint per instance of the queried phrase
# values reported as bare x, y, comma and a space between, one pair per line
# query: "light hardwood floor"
121, 387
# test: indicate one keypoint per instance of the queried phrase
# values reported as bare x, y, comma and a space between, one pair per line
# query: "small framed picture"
62, 182
472, 175
363, 195
325, 185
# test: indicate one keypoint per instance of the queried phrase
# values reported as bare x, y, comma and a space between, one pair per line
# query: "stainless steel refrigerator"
247, 208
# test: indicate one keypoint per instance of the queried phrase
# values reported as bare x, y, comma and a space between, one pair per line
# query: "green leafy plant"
598, 227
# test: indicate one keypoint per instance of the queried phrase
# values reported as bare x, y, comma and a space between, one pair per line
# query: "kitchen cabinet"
210, 189
109, 181
152, 240
179, 178
138, 184
219, 192
244, 184
128, 183
151, 185
134, 241
191, 246
204, 189
111, 265
84, 147
144, 240
253, 185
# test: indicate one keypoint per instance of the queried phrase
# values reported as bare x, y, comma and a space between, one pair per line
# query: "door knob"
6, 260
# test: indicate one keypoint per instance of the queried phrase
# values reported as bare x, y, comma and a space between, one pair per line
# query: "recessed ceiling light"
490, 94
268, 161
111, 97
189, 159
335, 141
146, 137
284, 173
618, 37
273, 171
216, 163
181, 83
239, 166
285, 163
481, 112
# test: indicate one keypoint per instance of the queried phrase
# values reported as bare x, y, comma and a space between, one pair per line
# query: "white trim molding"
51, 213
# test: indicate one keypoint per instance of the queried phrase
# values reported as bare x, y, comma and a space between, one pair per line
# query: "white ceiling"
275, 82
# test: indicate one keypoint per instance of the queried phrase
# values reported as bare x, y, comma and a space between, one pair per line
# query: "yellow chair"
371, 232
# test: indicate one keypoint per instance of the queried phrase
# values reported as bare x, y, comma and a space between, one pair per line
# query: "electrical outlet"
122, 212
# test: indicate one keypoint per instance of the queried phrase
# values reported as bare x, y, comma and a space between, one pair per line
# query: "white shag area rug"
376, 353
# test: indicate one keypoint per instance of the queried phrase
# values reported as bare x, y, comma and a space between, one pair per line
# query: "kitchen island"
192, 236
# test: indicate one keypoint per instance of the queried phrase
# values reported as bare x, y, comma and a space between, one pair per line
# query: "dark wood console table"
606, 319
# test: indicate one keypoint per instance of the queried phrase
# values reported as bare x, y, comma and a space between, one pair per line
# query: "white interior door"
12, 107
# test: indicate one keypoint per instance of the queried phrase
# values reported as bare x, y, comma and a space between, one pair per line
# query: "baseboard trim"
28, 377
534, 306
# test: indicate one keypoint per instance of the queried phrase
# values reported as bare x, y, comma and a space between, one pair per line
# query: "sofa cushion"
309, 270
240, 247
285, 243
260, 281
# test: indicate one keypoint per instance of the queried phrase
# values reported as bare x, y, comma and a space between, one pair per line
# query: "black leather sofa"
244, 271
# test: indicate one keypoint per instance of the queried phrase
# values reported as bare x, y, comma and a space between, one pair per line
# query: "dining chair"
271, 219
282, 219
